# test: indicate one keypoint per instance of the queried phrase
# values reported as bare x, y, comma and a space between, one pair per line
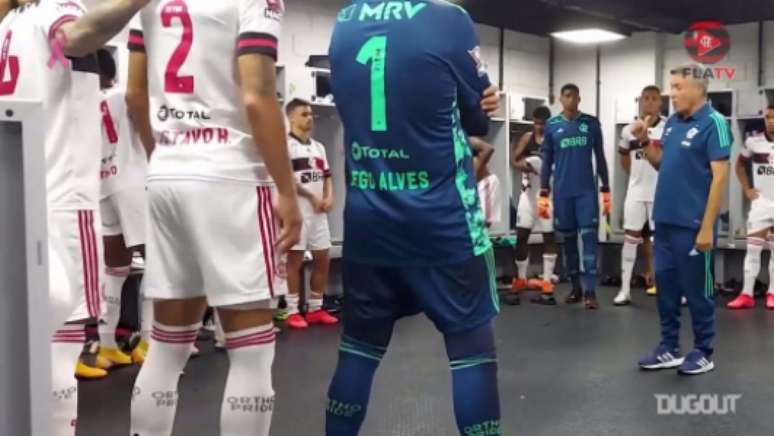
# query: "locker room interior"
562, 370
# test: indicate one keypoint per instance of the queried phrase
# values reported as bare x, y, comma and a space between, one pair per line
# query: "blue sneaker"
696, 362
662, 358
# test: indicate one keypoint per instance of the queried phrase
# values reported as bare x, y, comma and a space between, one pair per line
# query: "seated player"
415, 238
572, 140
638, 207
760, 221
315, 189
527, 158
488, 182
219, 184
48, 47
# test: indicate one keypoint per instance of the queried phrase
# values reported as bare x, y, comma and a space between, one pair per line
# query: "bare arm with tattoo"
91, 31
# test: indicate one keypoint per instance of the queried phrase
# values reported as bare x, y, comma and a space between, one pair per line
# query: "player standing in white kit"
760, 221
526, 157
638, 207
220, 156
47, 55
315, 187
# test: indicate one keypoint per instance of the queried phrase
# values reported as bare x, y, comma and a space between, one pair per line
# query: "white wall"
526, 64
306, 30
490, 50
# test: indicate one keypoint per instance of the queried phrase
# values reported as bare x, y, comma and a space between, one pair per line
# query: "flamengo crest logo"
708, 42
274, 9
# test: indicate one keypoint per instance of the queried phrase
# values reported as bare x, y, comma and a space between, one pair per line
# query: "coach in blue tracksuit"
693, 170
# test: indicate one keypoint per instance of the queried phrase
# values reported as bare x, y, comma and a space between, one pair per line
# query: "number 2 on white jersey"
174, 83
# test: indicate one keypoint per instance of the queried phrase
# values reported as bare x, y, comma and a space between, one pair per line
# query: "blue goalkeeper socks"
350, 389
590, 244
473, 362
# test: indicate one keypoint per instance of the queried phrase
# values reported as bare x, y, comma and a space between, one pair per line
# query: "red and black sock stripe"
70, 334
261, 337
184, 335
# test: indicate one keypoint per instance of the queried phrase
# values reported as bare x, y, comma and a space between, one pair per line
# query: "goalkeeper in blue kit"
410, 87
571, 140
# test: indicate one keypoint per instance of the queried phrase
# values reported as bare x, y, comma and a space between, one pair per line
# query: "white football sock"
292, 300
155, 390
248, 400
549, 264
315, 304
752, 264
628, 257
66, 347
111, 309
146, 323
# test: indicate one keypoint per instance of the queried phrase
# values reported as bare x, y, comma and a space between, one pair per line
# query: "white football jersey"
642, 177
196, 110
760, 150
310, 166
33, 68
124, 162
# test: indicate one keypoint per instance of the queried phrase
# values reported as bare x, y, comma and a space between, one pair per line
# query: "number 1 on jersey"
375, 52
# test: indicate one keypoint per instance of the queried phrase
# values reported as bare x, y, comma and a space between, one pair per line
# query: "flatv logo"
707, 42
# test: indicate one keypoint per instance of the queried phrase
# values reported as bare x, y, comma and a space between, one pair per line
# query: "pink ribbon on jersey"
58, 41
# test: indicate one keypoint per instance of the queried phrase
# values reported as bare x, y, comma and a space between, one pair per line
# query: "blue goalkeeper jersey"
408, 80
570, 145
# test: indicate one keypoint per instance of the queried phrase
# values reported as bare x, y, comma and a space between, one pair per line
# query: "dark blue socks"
473, 362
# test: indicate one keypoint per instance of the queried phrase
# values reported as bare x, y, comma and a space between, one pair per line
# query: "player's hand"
704, 239
607, 203
490, 100
640, 129
544, 206
317, 204
752, 194
289, 217
327, 205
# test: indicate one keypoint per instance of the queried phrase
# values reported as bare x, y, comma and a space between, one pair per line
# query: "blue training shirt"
690, 144
570, 144
408, 81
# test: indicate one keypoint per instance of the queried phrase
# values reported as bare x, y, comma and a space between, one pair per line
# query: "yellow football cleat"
651, 291
114, 356
89, 372
102, 362
139, 352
